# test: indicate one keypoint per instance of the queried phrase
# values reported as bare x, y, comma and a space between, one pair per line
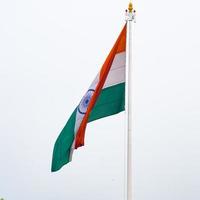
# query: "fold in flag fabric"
105, 97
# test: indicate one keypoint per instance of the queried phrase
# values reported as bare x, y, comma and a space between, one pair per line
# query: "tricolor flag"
105, 97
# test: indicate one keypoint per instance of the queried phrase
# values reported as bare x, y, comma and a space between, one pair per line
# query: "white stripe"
79, 116
116, 74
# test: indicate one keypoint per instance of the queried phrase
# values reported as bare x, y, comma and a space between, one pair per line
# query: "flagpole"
130, 17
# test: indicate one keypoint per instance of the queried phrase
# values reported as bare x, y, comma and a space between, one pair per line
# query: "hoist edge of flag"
119, 46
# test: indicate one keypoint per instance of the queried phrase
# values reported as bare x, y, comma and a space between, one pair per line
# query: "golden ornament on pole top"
130, 7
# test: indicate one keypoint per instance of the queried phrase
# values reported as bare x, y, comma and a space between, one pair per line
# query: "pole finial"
130, 13
130, 7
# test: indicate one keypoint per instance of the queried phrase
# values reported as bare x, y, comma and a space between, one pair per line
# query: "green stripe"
111, 101
62, 147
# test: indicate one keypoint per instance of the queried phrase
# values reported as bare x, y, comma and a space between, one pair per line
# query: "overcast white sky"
50, 51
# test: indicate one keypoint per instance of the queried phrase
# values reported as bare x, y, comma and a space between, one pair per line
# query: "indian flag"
105, 97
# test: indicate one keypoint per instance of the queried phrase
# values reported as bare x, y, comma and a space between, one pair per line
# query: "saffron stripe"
118, 47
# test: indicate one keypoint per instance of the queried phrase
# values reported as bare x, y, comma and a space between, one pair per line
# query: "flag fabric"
105, 97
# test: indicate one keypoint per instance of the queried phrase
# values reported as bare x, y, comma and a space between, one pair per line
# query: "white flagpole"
130, 17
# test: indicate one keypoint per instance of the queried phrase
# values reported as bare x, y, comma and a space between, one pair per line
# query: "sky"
50, 51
